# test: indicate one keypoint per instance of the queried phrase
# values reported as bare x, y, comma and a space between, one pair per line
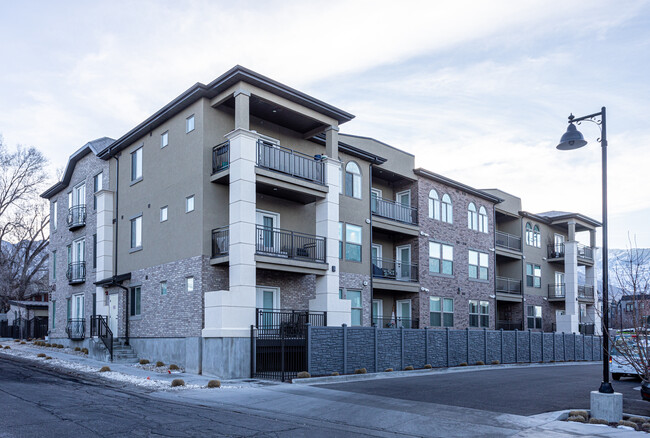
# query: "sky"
477, 91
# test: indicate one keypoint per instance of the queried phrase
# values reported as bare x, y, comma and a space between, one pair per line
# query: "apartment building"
240, 198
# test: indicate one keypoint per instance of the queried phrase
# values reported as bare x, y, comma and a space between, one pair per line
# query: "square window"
189, 124
136, 165
189, 284
189, 204
163, 214
353, 243
478, 265
164, 139
163, 288
355, 303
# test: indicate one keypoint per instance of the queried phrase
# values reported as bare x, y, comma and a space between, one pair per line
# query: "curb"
419, 373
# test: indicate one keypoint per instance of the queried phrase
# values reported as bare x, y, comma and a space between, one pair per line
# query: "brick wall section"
84, 171
348, 280
459, 286
295, 289
328, 353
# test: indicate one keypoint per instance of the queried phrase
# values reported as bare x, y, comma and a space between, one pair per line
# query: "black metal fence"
220, 157
76, 329
289, 244
407, 323
585, 252
76, 216
585, 292
290, 162
99, 327
509, 325
76, 272
23, 328
508, 285
394, 210
555, 251
509, 241
557, 290
394, 270
220, 241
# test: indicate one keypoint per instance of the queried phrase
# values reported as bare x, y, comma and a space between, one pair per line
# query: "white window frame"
482, 262
442, 312
360, 244
483, 221
434, 205
189, 124
356, 309
55, 214
164, 139
472, 217
259, 297
357, 180
447, 209
440, 258
163, 288
379, 314
479, 315
379, 249
535, 318
137, 238
136, 165
97, 186
189, 204
164, 213
189, 283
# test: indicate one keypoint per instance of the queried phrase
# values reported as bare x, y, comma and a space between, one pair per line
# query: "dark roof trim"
351, 150
226, 80
28, 304
450, 182
375, 140
549, 220
95, 146
114, 280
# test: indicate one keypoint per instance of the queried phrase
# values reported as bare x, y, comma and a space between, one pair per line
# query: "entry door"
403, 200
403, 263
78, 306
377, 313
559, 243
375, 195
79, 195
268, 299
268, 239
79, 251
112, 313
559, 284
376, 255
404, 313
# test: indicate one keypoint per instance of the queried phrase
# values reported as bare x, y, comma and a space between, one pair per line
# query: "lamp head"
572, 139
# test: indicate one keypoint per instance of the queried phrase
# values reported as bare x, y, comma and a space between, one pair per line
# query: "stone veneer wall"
345, 349
351, 281
295, 289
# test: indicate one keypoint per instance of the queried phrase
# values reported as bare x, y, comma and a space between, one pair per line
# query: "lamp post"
573, 139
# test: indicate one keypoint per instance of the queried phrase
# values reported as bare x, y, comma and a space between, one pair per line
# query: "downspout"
116, 222
494, 243
523, 277
371, 266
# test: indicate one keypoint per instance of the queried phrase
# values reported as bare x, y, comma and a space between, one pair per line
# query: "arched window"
537, 237
352, 180
434, 205
529, 234
447, 211
482, 220
472, 217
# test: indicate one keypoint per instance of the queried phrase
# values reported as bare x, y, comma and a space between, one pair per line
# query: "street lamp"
573, 139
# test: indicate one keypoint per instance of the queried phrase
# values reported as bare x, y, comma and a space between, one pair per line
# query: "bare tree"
24, 221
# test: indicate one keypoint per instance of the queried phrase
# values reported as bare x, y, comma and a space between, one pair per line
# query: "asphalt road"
518, 390
38, 403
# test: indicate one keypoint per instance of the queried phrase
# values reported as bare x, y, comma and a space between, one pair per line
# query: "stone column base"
608, 407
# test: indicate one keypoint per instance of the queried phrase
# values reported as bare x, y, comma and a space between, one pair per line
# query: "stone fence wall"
345, 349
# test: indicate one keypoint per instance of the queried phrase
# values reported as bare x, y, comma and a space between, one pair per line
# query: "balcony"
407, 323
220, 157
556, 291
274, 323
585, 253
280, 159
394, 211
585, 293
76, 272
395, 270
510, 288
555, 251
508, 241
287, 244
220, 242
76, 216
76, 329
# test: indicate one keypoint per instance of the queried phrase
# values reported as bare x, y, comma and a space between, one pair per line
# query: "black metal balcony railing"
396, 322
586, 328
76, 329
508, 285
289, 244
394, 210
220, 241
286, 323
509, 241
76, 216
586, 292
509, 325
99, 327
280, 159
556, 251
76, 272
220, 157
557, 290
585, 252
394, 270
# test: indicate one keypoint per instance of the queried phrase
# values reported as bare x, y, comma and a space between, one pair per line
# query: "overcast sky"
478, 91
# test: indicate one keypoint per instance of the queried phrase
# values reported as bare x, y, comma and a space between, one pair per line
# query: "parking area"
513, 390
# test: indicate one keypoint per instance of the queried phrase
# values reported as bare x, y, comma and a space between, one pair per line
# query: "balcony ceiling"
387, 175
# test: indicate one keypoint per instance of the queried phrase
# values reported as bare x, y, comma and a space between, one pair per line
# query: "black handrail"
280, 159
585, 252
506, 240
556, 251
586, 292
557, 290
394, 270
271, 323
221, 157
220, 241
99, 327
396, 322
76, 329
76, 272
394, 210
76, 216
508, 285
289, 244
509, 325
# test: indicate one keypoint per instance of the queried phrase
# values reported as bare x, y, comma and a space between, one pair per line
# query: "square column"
593, 309
230, 313
568, 323
104, 246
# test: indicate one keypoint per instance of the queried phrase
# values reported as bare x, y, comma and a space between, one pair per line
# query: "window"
352, 180
136, 165
441, 312
533, 275
441, 258
54, 265
136, 301
340, 294
482, 220
340, 240
340, 179
94, 251
478, 265
53, 314
534, 317
434, 205
164, 139
472, 217
68, 311
189, 284
479, 313
537, 237
629, 307
55, 214
163, 288
136, 232
189, 204
189, 124
355, 299
163, 213
529, 234
447, 211
97, 186
352, 243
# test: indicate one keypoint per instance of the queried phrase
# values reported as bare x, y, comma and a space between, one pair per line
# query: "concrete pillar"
572, 231
230, 313
242, 109
327, 225
332, 143
592, 239
105, 246
568, 323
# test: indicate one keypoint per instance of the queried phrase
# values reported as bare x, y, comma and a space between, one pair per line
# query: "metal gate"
279, 342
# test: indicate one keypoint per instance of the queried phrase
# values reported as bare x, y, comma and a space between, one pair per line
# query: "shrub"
638, 420
48, 345
388, 370
480, 362
144, 361
335, 373
462, 364
360, 371
104, 369
628, 424
214, 384
579, 414
597, 421
77, 349
428, 366
48, 358
409, 368
7, 347
645, 427
495, 362
40, 355
303, 375
84, 350
160, 364
173, 367
579, 419
22, 342
178, 382
59, 346
16, 340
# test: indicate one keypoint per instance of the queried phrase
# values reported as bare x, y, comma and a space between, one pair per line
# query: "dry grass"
495, 362
462, 364
598, 421
144, 361
480, 362
303, 375
48, 358
84, 350
104, 369
160, 364
214, 384
40, 355
579, 414
579, 419
388, 370
77, 349
428, 366
360, 371
7, 347
409, 368
628, 424
178, 382
335, 373
22, 342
